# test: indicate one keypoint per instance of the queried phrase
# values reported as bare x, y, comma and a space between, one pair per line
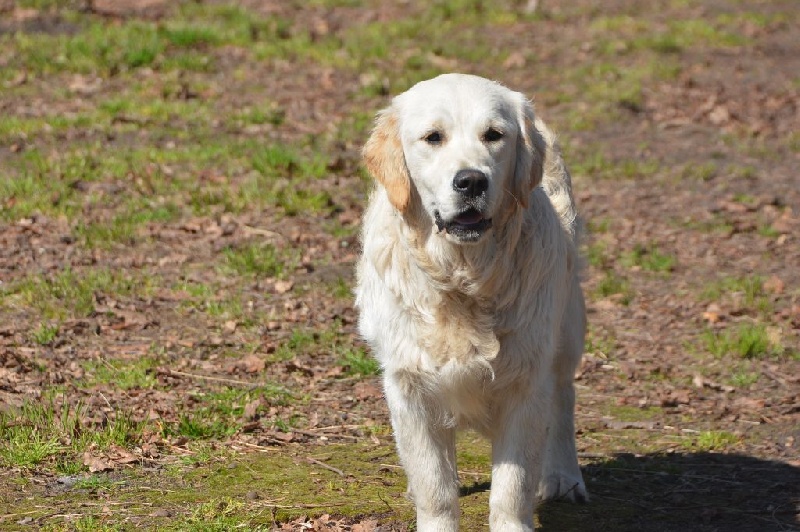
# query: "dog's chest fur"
462, 312
442, 318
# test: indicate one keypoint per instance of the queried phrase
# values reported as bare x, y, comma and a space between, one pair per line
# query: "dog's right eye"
434, 138
492, 135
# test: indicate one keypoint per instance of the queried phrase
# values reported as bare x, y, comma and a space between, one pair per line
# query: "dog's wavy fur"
486, 334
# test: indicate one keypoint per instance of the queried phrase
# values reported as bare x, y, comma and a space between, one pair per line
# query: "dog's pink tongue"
469, 217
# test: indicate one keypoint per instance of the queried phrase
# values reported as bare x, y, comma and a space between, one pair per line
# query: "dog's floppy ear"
531, 149
383, 156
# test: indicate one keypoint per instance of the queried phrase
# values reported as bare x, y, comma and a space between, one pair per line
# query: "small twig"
271, 504
259, 448
66, 516
127, 119
592, 455
11, 516
159, 490
106, 400
109, 503
564, 496
326, 434
261, 232
208, 378
384, 501
183, 451
338, 427
325, 466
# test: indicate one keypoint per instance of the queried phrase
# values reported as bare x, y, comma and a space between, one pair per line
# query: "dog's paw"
562, 487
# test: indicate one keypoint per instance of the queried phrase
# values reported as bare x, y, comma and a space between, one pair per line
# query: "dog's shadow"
678, 492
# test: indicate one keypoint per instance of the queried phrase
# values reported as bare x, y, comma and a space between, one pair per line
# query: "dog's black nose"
470, 182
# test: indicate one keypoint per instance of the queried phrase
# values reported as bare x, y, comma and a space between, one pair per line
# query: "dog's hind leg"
561, 476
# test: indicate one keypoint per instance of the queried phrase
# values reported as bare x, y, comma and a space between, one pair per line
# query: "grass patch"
259, 260
190, 36
711, 440
41, 184
26, 448
218, 303
198, 425
767, 231
300, 341
111, 48
597, 254
622, 34
632, 413
286, 180
743, 379
451, 31
99, 47
124, 228
66, 183
614, 286
268, 113
218, 414
295, 201
124, 374
593, 163
603, 89
364, 491
340, 289
39, 432
45, 333
357, 361
746, 293
750, 287
280, 161
69, 293
599, 343
202, 452
747, 340
219, 514
700, 171
649, 258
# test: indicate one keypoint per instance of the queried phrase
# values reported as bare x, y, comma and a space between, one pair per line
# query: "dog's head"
462, 146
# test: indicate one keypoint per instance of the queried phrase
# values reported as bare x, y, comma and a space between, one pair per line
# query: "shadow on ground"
678, 492
683, 492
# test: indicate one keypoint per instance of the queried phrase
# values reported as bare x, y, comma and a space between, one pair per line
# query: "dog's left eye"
492, 135
434, 138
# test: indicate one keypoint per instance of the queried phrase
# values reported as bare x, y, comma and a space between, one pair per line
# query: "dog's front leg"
517, 456
427, 452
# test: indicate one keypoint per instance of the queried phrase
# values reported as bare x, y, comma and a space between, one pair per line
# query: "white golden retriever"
469, 295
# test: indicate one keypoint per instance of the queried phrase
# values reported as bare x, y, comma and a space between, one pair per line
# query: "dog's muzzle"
470, 223
467, 226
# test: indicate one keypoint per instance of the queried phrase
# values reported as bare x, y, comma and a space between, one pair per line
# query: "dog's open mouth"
467, 226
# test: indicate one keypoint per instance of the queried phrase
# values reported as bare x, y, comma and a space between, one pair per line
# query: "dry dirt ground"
220, 327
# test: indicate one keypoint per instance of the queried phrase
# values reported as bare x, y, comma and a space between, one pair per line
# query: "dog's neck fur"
466, 279
470, 271
465, 299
